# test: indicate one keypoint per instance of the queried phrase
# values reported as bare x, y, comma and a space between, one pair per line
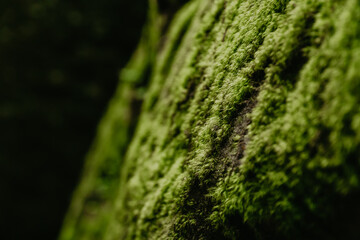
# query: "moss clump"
250, 127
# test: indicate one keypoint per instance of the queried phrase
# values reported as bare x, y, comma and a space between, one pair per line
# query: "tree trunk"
249, 127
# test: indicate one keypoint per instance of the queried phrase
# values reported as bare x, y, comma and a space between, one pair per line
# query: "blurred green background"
59, 64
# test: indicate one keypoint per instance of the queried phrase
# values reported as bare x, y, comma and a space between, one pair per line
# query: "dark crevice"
195, 200
196, 206
168, 62
195, 203
168, 9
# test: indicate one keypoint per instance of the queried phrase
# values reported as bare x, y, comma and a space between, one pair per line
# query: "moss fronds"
250, 126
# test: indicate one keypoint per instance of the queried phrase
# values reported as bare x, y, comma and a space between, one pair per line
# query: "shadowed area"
59, 63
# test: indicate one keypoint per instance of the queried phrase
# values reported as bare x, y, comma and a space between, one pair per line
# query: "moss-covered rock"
250, 128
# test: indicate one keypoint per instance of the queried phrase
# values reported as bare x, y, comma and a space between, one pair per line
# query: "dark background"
59, 63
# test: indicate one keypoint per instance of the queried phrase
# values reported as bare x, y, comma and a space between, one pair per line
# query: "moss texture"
250, 128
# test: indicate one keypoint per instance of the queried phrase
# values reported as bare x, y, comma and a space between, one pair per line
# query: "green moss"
250, 127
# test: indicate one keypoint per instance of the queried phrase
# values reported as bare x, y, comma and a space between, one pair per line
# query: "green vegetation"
250, 128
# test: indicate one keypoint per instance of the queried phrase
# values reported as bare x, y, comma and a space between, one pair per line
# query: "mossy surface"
250, 128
